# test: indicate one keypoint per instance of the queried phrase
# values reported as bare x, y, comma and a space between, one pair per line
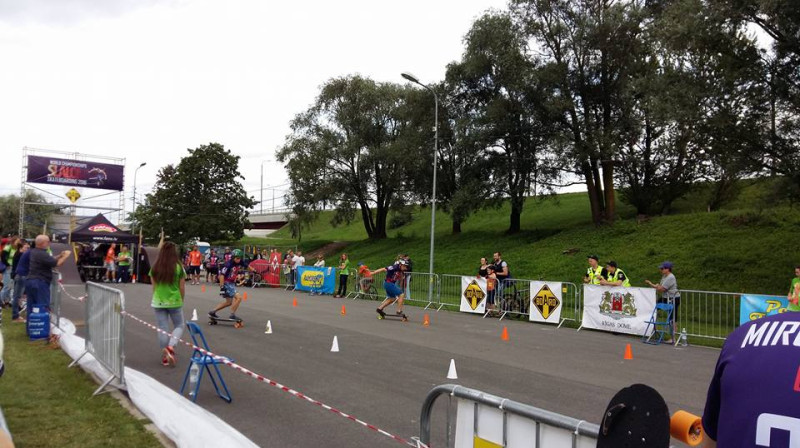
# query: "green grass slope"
750, 246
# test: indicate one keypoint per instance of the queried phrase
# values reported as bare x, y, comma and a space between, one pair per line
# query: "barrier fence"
55, 298
708, 314
481, 416
105, 331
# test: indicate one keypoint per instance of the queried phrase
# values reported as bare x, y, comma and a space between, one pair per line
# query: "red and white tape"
280, 386
64, 290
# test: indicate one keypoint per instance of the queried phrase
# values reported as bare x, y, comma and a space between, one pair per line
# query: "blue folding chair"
205, 362
660, 327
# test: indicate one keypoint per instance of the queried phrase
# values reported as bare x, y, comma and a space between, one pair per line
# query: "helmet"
402, 262
237, 253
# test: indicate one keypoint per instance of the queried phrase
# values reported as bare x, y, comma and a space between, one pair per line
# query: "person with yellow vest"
595, 272
615, 276
8, 260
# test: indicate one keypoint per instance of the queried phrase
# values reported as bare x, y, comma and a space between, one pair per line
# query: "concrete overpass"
265, 223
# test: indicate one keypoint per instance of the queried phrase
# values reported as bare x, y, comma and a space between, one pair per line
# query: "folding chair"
205, 362
660, 327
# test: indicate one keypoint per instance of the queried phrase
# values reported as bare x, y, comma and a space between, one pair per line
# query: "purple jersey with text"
230, 270
393, 273
754, 396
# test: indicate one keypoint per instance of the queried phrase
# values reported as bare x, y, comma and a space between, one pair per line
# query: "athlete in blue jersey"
227, 285
754, 396
394, 276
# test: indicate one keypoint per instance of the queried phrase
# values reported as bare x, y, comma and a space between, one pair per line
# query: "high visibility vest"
11, 253
615, 278
594, 275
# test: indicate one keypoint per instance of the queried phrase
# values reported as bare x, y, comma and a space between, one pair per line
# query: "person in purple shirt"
227, 285
394, 276
754, 396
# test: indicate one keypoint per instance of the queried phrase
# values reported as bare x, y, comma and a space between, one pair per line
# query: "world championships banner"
75, 173
754, 306
618, 309
319, 280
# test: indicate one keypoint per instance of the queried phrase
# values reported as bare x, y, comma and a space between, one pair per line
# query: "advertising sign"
318, 280
473, 295
75, 173
754, 306
546, 302
618, 309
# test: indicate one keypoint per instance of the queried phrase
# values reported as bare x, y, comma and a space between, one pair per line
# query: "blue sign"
754, 306
317, 280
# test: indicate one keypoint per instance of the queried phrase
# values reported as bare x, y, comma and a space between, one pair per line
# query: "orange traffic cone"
344, 311
426, 321
133, 278
203, 288
244, 296
628, 352
505, 334
294, 302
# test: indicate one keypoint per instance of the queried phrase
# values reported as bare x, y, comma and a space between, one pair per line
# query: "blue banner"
754, 306
317, 280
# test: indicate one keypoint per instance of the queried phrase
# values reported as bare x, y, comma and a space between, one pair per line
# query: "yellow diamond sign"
73, 195
546, 302
474, 295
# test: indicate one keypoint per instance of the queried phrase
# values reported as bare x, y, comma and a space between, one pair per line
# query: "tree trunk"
516, 213
456, 227
591, 190
381, 212
608, 184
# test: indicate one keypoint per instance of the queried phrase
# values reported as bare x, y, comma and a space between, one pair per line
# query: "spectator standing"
7, 256
227, 256
124, 262
109, 263
491, 287
320, 263
483, 269
668, 288
344, 275
212, 265
20, 274
40, 272
169, 291
794, 291
615, 276
595, 272
501, 271
288, 267
195, 260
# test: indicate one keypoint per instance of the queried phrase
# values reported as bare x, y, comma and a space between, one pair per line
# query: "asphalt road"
385, 368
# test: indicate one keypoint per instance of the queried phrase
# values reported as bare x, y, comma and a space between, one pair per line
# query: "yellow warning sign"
546, 302
73, 195
483, 443
474, 295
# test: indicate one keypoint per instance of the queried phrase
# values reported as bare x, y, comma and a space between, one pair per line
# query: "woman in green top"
169, 289
344, 272
124, 263
794, 291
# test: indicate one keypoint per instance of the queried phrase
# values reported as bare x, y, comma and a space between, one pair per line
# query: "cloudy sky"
146, 79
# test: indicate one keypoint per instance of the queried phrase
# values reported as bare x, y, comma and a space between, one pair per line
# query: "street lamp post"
261, 190
415, 80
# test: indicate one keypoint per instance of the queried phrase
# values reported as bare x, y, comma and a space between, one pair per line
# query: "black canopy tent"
98, 230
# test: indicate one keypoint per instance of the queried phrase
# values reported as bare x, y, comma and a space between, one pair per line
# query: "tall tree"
349, 151
587, 48
35, 215
201, 197
496, 88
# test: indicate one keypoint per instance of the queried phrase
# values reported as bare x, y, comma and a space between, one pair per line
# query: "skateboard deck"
638, 416
237, 323
402, 317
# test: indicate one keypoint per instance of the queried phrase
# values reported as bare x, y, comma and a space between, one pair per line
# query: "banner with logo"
273, 277
317, 280
473, 295
618, 309
75, 173
546, 302
755, 306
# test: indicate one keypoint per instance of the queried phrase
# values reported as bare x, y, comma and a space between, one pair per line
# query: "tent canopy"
98, 230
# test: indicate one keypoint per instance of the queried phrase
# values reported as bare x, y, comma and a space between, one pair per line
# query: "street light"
133, 211
415, 80
133, 206
262, 187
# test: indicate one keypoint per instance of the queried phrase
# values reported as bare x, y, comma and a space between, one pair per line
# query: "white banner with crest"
618, 309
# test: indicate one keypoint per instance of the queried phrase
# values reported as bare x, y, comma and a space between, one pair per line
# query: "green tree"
353, 150
36, 215
202, 197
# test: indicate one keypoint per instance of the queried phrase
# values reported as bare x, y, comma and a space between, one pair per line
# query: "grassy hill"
749, 246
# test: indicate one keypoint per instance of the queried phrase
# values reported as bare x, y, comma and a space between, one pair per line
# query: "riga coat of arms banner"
618, 309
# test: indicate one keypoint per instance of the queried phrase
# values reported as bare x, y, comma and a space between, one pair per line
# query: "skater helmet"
237, 253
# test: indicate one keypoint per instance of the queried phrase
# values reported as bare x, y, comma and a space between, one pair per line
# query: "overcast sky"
146, 79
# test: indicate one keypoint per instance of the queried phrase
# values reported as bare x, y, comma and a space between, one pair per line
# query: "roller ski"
399, 315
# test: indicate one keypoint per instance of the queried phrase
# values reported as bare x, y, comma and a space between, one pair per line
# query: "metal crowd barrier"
708, 314
449, 294
55, 298
421, 287
105, 331
572, 306
562, 430
283, 278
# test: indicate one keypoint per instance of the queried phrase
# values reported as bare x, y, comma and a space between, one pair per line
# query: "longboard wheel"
238, 325
686, 427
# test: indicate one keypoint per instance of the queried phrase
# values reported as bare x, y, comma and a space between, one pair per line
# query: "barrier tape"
270, 382
64, 290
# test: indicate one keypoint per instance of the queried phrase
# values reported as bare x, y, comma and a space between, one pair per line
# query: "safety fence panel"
272, 276
449, 294
105, 331
513, 296
572, 308
708, 314
55, 298
482, 419
369, 287
421, 287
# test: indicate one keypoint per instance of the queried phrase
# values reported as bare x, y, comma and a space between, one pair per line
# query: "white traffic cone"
194, 315
268, 330
451, 373
335, 346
